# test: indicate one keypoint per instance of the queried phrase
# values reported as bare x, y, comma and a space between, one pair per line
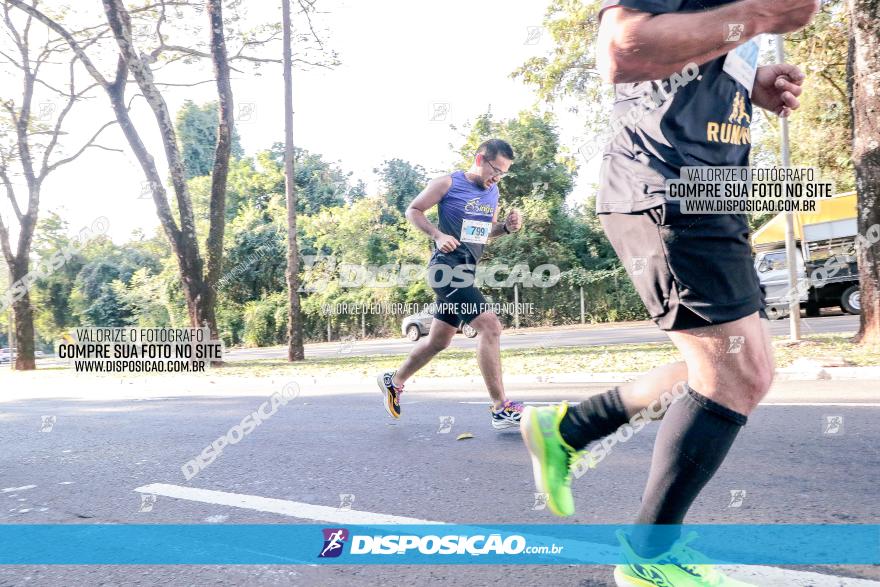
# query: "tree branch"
64, 34
90, 143
4, 244
10, 193
73, 96
834, 84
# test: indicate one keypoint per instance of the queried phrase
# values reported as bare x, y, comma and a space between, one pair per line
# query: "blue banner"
293, 544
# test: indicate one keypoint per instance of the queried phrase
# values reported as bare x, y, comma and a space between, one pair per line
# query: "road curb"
784, 374
828, 373
61, 385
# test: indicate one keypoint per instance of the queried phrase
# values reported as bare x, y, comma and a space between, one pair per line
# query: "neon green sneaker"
681, 566
552, 458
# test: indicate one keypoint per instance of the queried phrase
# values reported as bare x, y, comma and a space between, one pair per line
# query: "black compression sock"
593, 419
691, 444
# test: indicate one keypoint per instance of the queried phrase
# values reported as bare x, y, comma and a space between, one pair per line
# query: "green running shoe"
552, 458
680, 566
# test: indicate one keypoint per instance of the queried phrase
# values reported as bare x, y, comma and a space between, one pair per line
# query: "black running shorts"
691, 270
453, 279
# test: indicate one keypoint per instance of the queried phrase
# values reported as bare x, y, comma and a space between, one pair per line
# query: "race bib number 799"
475, 231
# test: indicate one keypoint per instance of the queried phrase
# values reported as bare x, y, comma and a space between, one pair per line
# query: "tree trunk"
863, 80
23, 317
220, 172
200, 297
295, 351
201, 314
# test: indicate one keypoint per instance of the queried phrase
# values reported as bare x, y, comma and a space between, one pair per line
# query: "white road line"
773, 577
22, 488
761, 575
537, 403
821, 404
768, 404
284, 507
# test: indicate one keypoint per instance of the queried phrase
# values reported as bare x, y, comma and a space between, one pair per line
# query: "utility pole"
794, 303
583, 321
516, 305
295, 350
6, 282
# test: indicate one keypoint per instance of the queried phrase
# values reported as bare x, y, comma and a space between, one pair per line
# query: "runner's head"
492, 162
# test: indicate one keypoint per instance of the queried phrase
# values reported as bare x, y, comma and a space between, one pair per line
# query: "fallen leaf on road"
464, 436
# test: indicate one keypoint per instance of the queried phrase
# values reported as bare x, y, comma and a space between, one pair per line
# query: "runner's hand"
777, 88
446, 243
788, 16
514, 221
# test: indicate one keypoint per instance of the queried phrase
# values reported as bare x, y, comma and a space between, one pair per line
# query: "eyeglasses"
498, 172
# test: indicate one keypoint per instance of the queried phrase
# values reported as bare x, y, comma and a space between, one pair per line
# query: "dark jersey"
701, 117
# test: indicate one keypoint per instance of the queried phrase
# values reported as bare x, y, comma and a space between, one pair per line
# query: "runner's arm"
637, 46
430, 197
497, 227
497, 230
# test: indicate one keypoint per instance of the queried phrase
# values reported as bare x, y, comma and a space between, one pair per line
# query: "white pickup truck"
826, 263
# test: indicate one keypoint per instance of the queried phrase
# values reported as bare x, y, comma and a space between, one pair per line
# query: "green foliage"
50, 298
265, 320
568, 75
402, 182
363, 232
319, 184
571, 68
256, 255
197, 134
144, 299
94, 300
100, 283
541, 169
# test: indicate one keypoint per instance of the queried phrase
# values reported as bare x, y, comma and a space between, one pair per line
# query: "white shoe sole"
504, 424
534, 448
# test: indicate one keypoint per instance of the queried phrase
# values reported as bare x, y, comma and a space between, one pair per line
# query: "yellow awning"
840, 207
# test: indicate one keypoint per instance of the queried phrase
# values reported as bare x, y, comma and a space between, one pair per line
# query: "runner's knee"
439, 343
489, 327
753, 379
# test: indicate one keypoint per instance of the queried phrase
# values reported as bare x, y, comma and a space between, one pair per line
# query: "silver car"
6, 355
416, 326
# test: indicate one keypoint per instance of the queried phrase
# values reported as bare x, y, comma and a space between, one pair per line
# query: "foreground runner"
468, 210
694, 273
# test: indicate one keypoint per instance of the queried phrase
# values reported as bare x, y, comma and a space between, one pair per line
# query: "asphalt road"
98, 452
512, 339
550, 337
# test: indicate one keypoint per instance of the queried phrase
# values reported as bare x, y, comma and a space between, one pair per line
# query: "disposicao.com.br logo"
334, 540
393, 544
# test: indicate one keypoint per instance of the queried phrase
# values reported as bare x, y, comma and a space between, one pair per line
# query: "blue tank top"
466, 213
